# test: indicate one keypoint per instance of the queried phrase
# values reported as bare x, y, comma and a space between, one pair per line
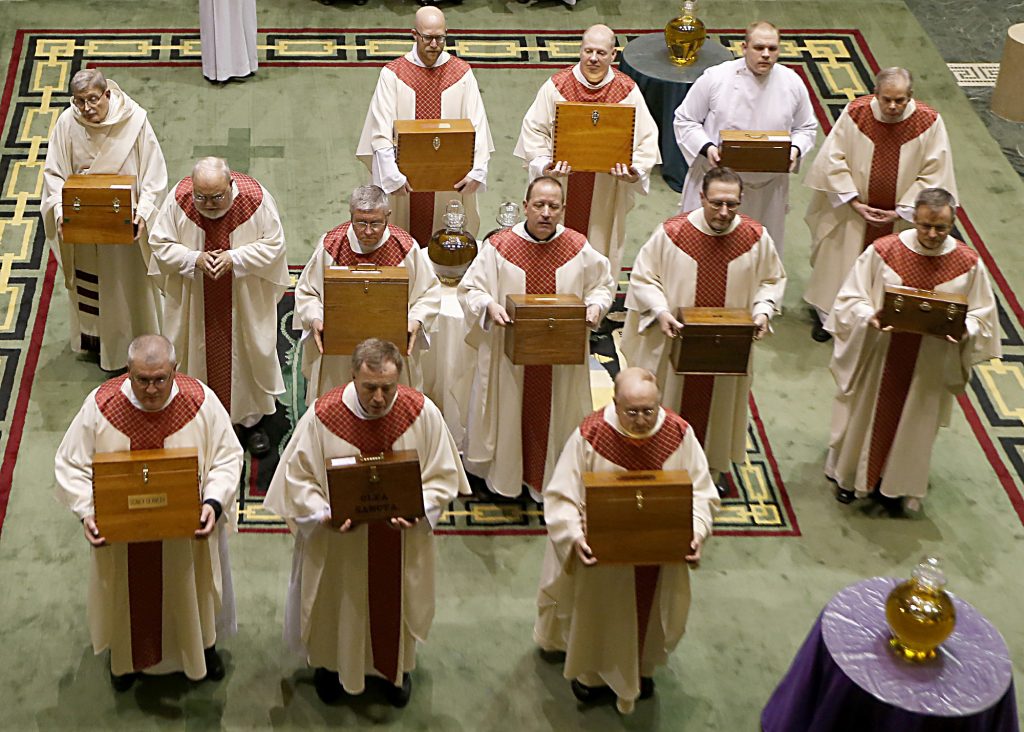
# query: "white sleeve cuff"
237, 265
537, 165
840, 199
188, 267
905, 212
384, 170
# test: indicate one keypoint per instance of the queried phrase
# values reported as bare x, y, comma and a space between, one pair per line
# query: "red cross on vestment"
428, 85
649, 453
914, 270
712, 255
217, 294
888, 139
389, 254
147, 431
580, 196
384, 544
539, 263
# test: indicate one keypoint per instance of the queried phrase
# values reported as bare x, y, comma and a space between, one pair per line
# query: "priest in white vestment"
350, 619
750, 93
159, 607
367, 237
518, 417
884, 150
227, 37
596, 203
426, 83
111, 299
710, 257
617, 623
895, 390
218, 251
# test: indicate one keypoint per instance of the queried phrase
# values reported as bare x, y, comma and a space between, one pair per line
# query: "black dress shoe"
646, 687
398, 696
845, 496
258, 443
214, 664
819, 333
327, 686
722, 486
123, 682
588, 694
892, 506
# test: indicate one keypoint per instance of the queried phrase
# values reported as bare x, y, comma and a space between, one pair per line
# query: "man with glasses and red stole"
617, 623
367, 237
709, 257
426, 83
159, 607
894, 390
112, 300
218, 249
361, 596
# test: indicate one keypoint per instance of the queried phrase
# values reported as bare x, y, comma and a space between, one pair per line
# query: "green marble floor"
754, 598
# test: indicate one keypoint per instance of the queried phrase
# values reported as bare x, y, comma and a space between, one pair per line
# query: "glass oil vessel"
920, 613
685, 35
452, 249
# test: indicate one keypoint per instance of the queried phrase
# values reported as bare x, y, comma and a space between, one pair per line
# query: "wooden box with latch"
911, 310
713, 341
593, 138
98, 209
365, 301
755, 151
546, 330
375, 487
434, 154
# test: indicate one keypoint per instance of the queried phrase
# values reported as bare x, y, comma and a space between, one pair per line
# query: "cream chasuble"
518, 417
180, 598
407, 89
686, 264
339, 246
616, 623
110, 296
225, 330
894, 390
596, 203
885, 165
339, 614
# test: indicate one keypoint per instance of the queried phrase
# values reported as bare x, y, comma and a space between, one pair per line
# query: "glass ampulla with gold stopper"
452, 249
685, 35
920, 613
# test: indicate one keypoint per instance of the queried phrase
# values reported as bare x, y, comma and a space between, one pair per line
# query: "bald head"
637, 401
429, 19
635, 382
430, 35
597, 52
88, 80
151, 351
600, 34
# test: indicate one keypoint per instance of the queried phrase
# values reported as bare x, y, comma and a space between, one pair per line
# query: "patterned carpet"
836, 65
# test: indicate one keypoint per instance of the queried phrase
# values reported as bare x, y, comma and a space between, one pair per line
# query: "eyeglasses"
200, 198
634, 413
731, 205
146, 383
432, 40
90, 101
364, 225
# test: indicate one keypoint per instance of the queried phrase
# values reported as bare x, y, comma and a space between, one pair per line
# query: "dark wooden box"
910, 310
146, 495
546, 330
755, 151
594, 137
434, 154
98, 209
363, 302
639, 517
375, 487
713, 341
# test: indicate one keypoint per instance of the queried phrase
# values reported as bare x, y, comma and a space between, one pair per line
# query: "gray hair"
217, 166
375, 352
935, 199
368, 198
87, 79
894, 74
151, 349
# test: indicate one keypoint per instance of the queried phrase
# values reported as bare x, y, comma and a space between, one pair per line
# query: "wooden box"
639, 517
546, 330
755, 151
146, 495
713, 341
98, 209
365, 301
375, 487
434, 154
594, 137
910, 310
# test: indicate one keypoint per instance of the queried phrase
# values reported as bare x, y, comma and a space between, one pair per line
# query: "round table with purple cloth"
846, 677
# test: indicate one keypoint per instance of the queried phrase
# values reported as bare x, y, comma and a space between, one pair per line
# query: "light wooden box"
434, 154
98, 209
365, 301
594, 137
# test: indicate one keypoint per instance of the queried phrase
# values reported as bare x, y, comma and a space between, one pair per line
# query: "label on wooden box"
910, 310
713, 341
375, 487
755, 151
434, 154
365, 301
594, 137
146, 495
639, 516
98, 209
546, 330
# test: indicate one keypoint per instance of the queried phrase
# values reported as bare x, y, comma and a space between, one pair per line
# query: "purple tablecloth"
968, 688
